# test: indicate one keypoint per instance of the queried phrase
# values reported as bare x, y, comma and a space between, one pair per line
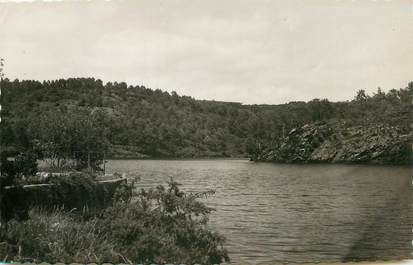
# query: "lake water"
272, 213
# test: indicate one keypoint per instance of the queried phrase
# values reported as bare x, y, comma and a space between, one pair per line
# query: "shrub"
161, 225
77, 192
55, 237
164, 225
24, 165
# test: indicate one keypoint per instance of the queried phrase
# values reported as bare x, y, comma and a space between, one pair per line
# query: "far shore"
178, 158
369, 163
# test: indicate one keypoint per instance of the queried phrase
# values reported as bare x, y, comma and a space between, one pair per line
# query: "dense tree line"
122, 120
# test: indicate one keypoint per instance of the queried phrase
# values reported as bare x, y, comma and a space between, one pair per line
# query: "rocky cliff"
340, 143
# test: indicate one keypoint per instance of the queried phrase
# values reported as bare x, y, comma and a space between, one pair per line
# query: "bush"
55, 237
23, 166
161, 225
164, 225
77, 192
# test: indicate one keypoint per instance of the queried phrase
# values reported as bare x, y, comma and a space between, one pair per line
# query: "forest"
61, 118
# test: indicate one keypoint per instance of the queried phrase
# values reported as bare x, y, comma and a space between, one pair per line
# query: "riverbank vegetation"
72, 218
161, 225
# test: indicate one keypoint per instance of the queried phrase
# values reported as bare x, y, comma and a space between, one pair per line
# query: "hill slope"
135, 121
337, 143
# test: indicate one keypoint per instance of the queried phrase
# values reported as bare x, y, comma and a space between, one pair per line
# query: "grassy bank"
161, 225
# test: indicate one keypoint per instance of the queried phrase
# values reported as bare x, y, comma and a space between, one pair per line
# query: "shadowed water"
272, 213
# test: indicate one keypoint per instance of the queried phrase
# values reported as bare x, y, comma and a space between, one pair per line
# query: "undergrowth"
160, 225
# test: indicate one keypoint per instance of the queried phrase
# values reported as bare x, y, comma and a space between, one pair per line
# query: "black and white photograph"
244, 132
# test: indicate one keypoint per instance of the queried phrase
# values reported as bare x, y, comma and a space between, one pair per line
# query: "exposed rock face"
337, 143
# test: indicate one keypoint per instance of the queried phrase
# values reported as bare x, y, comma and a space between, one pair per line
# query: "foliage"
78, 192
161, 225
1, 68
54, 237
168, 226
67, 134
14, 172
26, 164
161, 124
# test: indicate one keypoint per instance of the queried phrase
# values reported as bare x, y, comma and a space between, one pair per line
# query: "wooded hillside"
135, 121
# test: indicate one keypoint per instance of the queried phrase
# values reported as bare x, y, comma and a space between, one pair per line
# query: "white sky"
250, 51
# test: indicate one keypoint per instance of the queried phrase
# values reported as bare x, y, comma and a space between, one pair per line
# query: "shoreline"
258, 161
369, 163
177, 158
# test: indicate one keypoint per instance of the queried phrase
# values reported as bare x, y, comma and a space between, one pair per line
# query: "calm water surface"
272, 213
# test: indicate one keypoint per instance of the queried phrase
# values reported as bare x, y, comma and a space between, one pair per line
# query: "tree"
6, 134
79, 135
361, 96
379, 95
1, 68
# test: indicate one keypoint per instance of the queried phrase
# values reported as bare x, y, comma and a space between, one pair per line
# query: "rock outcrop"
339, 143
